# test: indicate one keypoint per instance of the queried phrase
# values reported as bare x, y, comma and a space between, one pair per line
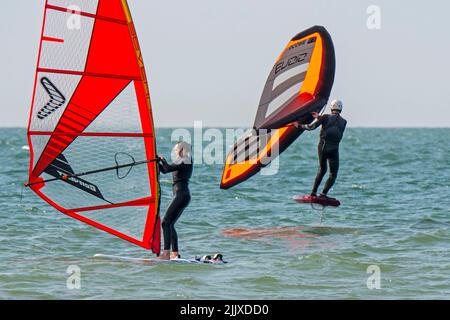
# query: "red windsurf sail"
91, 110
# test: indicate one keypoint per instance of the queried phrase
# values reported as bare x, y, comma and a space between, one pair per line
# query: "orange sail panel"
91, 110
299, 83
255, 151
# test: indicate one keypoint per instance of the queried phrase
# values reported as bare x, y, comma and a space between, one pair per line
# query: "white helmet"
337, 105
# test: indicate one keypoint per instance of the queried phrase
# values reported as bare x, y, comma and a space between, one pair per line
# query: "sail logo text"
56, 101
290, 62
79, 182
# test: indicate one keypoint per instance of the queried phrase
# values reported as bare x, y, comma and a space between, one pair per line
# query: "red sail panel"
91, 110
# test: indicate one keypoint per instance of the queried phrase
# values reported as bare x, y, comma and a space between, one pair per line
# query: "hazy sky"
208, 60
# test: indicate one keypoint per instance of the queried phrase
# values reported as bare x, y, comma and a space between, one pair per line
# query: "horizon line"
244, 127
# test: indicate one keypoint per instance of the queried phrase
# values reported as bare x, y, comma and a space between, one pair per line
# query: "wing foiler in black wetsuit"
181, 172
333, 127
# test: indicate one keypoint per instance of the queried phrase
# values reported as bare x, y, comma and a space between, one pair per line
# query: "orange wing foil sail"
299, 83
91, 109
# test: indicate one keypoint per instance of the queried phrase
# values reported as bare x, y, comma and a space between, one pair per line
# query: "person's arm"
165, 167
162, 167
345, 126
313, 125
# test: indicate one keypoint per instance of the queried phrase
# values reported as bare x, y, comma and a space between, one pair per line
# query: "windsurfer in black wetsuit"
333, 127
182, 171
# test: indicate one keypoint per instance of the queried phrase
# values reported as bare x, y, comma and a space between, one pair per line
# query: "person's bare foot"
174, 255
164, 256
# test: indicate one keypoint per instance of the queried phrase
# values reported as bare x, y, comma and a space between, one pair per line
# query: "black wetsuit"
333, 127
182, 196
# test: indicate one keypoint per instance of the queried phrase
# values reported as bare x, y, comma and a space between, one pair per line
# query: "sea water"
390, 239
